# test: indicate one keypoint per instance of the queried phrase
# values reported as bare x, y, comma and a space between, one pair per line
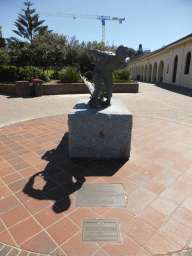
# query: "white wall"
181, 50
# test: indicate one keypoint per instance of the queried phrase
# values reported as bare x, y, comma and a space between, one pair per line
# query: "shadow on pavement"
175, 88
63, 176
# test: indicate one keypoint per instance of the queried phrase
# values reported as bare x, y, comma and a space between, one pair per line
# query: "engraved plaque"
100, 231
110, 195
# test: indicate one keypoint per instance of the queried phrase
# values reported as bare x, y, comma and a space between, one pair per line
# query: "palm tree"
28, 25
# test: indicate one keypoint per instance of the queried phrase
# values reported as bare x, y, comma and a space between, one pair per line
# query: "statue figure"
106, 64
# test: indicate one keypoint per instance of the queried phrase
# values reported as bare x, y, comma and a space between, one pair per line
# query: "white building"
170, 64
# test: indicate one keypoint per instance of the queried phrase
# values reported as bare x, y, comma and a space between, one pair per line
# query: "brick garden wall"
66, 88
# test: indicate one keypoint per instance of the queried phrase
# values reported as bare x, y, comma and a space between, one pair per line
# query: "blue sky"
152, 23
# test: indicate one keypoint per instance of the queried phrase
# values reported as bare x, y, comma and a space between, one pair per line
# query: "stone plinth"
100, 133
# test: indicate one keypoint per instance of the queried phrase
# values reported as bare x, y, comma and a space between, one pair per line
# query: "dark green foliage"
13, 73
123, 75
70, 75
30, 72
55, 75
4, 56
46, 50
89, 75
2, 42
84, 62
9, 73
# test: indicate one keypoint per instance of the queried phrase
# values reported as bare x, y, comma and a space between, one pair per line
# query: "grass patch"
49, 72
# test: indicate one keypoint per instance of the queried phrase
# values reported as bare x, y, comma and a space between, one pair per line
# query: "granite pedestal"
100, 132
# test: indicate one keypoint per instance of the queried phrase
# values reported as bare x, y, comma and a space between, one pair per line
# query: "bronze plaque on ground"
103, 195
100, 231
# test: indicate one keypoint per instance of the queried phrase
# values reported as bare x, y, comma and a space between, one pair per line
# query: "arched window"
187, 65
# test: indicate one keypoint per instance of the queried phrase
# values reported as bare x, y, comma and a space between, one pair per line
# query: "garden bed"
54, 87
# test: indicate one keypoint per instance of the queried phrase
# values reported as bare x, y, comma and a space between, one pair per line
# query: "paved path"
151, 101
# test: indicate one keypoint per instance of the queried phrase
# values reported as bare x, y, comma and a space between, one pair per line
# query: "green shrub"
13, 73
89, 75
118, 76
30, 72
123, 75
9, 73
55, 75
70, 75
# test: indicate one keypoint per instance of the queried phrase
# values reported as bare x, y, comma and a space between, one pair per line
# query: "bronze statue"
106, 64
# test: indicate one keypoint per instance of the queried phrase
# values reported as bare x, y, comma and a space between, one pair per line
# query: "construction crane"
74, 16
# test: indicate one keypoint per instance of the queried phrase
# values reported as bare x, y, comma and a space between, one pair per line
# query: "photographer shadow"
63, 176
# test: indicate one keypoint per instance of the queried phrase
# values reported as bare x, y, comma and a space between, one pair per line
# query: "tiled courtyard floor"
38, 184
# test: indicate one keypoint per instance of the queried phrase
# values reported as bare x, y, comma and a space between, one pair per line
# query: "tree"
28, 25
48, 49
2, 42
15, 48
4, 56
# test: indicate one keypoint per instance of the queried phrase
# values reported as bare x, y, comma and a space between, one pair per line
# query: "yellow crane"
81, 16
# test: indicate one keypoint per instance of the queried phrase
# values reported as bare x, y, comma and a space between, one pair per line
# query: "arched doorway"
142, 72
145, 73
150, 72
175, 69
161, 70
187, 64
154, 72
138, 75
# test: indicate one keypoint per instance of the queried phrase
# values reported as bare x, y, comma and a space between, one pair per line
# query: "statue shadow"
63, 175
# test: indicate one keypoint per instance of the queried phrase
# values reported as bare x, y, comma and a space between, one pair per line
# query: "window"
187, 65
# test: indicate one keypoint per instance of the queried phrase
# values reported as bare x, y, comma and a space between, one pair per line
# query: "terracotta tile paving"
1, 183
176, 232
184, 216
118, 213
160, 245
25, 229
62, 230
37, 204
82, 213
41, 243
152, 217
8, 203
2, 226
139, 231
12, 178
5, 192
126, 247
47, 216
74, 247
38, 185
155, 187
6, 238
